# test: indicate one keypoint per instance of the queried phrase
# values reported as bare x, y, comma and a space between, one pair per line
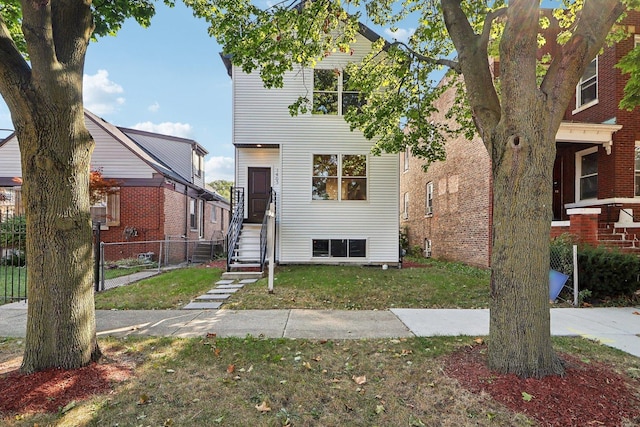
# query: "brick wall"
459, 228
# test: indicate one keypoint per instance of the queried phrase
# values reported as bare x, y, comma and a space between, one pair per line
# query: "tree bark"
45, 100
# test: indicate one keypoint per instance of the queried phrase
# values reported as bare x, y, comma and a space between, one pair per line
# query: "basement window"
339, 248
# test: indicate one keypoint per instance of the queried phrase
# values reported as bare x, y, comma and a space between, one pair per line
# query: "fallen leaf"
231, 369
211, 335
216, 352
380, 409
170, 371
526, 396
263, 407
307, 365
479, 341
143, 399
359, 380
636, 313
68, 407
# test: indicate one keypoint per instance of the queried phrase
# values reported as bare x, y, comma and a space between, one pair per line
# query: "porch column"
583, 223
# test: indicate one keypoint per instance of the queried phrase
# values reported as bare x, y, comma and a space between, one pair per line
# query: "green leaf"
526, 396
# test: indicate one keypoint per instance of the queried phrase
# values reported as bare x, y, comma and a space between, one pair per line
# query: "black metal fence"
13, 268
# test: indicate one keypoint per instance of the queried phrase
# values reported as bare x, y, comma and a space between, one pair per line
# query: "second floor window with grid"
429, 199
587, 89
333, 94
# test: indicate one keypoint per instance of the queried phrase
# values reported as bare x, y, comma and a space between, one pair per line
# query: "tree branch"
488, 22
454, 65
14, 69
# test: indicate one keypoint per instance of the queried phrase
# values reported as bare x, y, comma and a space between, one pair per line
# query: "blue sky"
167, 78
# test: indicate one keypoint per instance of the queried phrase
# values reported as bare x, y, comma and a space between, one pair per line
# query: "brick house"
596, 183
160, 194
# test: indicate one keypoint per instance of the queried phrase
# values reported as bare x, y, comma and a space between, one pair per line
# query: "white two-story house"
335, 201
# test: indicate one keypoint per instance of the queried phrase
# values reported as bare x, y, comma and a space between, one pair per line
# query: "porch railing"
263, 229
237, 209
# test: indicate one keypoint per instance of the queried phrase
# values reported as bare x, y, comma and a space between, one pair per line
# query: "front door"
259, 191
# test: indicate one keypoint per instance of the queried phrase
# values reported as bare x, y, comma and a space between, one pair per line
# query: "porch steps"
246, 255
202, 253
625, 239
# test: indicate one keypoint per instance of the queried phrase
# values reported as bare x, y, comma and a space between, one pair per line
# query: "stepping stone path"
214, 298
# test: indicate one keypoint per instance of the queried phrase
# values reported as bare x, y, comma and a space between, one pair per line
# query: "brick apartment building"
596, 183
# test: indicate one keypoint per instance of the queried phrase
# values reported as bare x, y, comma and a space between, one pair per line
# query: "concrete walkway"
615, 327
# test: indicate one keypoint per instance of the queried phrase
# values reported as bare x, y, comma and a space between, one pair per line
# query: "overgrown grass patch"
169, 290
434, 285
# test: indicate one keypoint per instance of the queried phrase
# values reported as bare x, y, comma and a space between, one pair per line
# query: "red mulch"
589, 394
53, 389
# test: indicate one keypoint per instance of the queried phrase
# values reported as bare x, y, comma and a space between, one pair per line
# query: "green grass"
172, 289
112, 273
435, 285
13, 282
212, 381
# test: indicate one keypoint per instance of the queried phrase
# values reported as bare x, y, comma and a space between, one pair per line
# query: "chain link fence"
563, 260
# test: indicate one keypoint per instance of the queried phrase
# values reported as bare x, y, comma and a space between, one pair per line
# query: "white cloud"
154, 107
101, 95
182, 130
219, 168
401, 34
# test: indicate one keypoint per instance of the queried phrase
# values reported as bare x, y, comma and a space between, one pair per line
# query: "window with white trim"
429, 199
106, 211
407, 153
193, 214
587, 89
587, 174
427, 248
214, 213
637, 170
405, 210
339, 248
198, 164
339, 177
333, 94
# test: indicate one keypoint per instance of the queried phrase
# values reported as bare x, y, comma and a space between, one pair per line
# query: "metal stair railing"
235, 226
263, 229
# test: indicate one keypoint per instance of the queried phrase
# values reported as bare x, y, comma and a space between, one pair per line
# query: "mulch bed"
54, 389
590, 394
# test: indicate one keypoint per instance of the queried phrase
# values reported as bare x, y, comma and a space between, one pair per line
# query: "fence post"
96, 255
102, 265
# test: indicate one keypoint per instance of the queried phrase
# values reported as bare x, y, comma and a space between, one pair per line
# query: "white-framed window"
332, 92
637, 170
106, 211
407, 154
339, 177
587, 88
428, 200
198, 164
405, 210
339, 248
214, 213
427, 248
587, 174
193, 214
636, 40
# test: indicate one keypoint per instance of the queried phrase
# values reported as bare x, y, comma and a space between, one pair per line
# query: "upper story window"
407, 154
587, 89
429, 199
405, 211
198, 164
637, 170
587, 174
339, 177
333, 93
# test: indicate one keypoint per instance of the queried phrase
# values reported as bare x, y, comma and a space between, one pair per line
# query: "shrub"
608, 273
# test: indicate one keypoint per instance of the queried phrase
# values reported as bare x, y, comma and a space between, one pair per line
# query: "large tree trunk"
56, 151
520, 339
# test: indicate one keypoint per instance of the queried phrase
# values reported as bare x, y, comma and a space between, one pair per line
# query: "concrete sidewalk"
615, 327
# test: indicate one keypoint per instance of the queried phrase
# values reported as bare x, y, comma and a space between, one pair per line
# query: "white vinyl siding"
10, 159
261, 116
116, 160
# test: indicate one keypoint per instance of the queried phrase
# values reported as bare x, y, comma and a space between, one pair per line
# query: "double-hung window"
429, 199
333, 94
339, 177
106, 211
637, 170
587, 89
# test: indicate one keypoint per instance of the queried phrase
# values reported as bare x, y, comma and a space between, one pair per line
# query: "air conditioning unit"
429, 210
